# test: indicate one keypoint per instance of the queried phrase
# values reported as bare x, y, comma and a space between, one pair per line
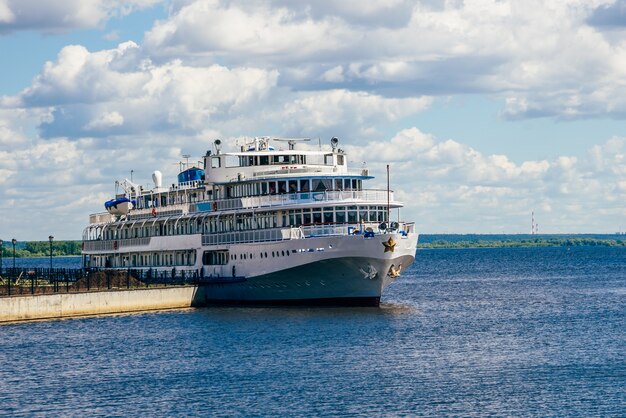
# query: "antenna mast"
534, 227
186, 157
388, 204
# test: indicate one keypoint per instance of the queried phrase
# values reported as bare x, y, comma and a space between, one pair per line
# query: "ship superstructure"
261, 225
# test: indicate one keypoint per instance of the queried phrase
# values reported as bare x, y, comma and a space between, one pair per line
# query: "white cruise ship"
265, 225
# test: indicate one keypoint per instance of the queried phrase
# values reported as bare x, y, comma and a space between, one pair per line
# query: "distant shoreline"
520, 241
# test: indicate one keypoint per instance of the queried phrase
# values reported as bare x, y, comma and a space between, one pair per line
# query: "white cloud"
107, 120
451, 187
6, 15
81, 86
62, 16
511, 50
351, 69
311, 112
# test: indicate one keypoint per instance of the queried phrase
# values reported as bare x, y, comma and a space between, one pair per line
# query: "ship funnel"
157, 178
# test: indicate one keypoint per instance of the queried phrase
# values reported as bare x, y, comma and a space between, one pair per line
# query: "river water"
471, 332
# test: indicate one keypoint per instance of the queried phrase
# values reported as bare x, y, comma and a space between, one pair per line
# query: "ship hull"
355, 275
346, 270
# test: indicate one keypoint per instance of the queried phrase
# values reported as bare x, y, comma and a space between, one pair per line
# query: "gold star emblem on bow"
390, 245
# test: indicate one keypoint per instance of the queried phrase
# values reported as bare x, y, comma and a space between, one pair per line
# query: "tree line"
516, 243
41, 248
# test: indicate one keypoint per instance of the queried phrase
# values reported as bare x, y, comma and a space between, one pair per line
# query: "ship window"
362, 213
340, 214
215, 162
346, 184
317, 217
306, 218
338, 184
264, 188
340, 159
219, 257
352, 214
318, 185
328, 215
328, 159
304, 185
272, 187
282, 187
264, 160
293, 186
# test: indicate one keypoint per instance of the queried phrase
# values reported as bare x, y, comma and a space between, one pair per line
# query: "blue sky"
486, 110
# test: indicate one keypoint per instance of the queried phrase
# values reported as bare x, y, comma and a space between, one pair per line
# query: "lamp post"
50, 238
13, 241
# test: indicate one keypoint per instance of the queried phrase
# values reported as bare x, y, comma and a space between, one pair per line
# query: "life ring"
214, 206
154, 212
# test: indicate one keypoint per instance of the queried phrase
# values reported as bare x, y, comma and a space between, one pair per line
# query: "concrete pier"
65, 305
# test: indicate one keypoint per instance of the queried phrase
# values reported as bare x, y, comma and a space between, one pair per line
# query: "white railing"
115, 244
102, 217
264, 235
269, 201
283, 172
344, 196
350, 229
187, 185
164, 211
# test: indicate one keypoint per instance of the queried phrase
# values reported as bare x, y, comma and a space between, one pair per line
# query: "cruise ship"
268, 224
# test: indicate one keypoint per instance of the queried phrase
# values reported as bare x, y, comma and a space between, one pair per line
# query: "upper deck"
257, 176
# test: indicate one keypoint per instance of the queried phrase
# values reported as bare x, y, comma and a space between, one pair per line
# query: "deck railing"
263, 235
111, 245
351, 229
267, 201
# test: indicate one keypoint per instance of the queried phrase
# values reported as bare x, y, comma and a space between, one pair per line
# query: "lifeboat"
119, 206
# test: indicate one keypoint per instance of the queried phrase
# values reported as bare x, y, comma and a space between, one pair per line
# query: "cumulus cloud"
357, 70
122, 92
119, 89
510, 50
62, 16
313, 112
445, 183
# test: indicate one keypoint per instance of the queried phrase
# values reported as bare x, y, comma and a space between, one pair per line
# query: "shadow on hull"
330, 302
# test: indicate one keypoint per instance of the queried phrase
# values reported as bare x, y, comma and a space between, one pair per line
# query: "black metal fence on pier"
39, 281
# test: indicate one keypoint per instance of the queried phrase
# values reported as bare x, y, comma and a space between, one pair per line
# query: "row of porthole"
244, 256
280, 253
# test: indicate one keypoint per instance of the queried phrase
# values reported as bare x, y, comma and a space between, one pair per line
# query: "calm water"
524, 332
